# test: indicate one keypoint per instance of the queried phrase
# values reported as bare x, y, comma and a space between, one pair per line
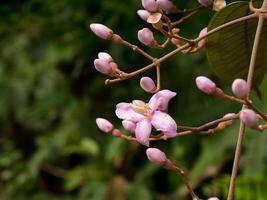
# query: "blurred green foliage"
50, 96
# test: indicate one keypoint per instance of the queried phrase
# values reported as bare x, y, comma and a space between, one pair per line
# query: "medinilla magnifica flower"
145, 115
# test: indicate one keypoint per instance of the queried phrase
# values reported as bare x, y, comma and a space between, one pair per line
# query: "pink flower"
128, 125
156, 156
145, 115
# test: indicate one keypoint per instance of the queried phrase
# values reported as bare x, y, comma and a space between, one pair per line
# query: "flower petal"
129, 125
142, 132
164, 122
125, 111
163, 95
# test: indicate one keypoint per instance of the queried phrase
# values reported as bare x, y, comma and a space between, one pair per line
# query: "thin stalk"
137, 49
242, 125
183, 175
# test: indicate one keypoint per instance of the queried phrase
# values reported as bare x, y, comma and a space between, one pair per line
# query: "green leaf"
229, 50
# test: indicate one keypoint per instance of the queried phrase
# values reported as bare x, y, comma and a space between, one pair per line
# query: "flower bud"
202, 33
228, 122
240, 88
104, 125
105, 56
150, 5
205, 85
218, 4
166, 5
156, 156
129, 125
116, 133
147, 84
102, 31
146, 36
205, 3
213, 198
103, 66
143, 14
175, 41
248, 117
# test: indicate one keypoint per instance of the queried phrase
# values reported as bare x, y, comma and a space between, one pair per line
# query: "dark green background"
50, 95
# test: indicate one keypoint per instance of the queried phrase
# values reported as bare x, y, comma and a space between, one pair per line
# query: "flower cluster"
139, 117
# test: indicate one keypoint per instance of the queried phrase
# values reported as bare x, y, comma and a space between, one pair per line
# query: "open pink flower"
146, 115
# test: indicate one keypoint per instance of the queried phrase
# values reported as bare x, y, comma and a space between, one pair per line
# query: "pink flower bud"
205, 85
103, 66
129, 125
150, 5
102, 31
143, 14
248, 117
240, 88
228, 122
105, 56
219, 4
166, 5
156, 156
116, 133
175, 41
146, 36
202, 33
213, 198
104, 125
147, 84
205, 3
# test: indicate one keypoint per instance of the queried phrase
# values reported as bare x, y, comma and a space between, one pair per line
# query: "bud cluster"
157, 5
105, 64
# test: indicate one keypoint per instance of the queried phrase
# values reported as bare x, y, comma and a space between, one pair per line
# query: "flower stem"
242, 125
